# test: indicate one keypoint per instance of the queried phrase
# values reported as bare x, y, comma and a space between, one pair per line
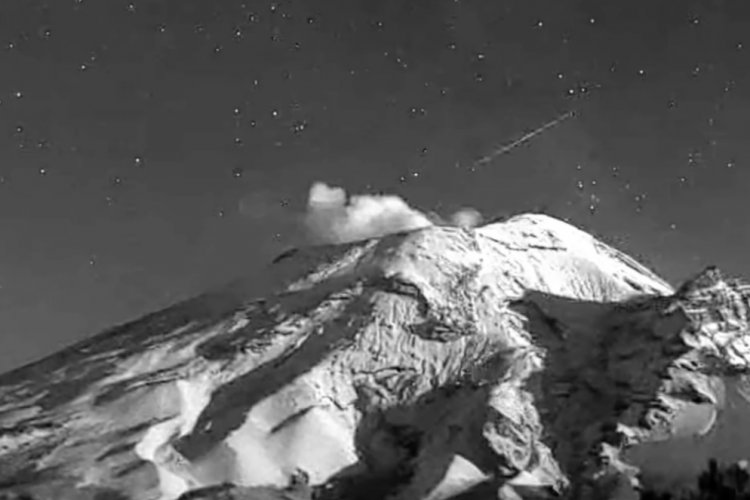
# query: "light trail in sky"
525, 138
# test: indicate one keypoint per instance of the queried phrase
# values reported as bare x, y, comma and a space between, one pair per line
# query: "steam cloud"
332, 217
466, 217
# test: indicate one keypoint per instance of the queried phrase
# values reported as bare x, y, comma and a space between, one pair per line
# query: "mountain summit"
521, 359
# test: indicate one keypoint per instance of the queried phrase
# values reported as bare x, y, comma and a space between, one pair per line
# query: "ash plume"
334, 217
466, 218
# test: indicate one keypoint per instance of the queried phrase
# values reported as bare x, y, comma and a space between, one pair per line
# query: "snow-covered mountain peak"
419, 365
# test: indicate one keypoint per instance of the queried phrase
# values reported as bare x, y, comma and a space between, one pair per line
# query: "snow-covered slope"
415, 366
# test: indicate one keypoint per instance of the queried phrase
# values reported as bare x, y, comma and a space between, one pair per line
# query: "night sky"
152, 150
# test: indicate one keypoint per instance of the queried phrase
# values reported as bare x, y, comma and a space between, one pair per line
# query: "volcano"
520, 359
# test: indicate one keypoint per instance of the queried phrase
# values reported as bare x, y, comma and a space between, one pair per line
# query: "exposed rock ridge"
666, 361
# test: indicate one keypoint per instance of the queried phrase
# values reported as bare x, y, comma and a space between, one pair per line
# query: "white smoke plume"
466, 218
333, 217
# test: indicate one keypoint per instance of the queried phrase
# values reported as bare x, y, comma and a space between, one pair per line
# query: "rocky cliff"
522, 359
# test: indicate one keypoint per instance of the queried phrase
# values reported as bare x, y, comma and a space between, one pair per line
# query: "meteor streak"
527, 137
